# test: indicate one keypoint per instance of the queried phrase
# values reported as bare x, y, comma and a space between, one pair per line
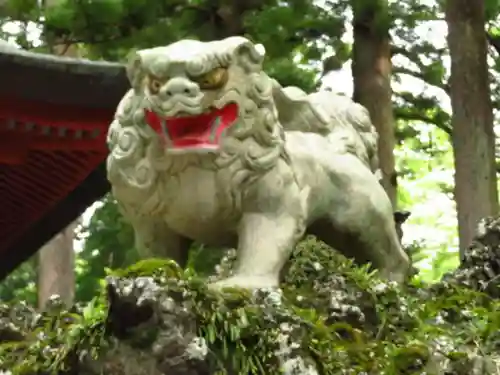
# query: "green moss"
337, 316
50, 342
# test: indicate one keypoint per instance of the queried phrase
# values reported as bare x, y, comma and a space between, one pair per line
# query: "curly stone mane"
257, 142
252, 147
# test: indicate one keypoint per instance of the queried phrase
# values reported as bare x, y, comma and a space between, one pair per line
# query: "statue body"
207, 147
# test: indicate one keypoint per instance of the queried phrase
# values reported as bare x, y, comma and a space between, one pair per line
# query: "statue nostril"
187, 91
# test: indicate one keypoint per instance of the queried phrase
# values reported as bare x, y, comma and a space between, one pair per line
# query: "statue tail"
344, 122
349, 124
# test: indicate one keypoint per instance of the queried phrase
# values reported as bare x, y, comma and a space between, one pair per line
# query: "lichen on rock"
329, 317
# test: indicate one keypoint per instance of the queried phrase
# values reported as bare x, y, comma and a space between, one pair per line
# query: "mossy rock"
330, 317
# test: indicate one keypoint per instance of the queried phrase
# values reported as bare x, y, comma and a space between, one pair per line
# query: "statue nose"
181, 86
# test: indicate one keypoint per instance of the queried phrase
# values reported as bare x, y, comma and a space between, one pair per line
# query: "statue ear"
401, 216
250, 56
135, 71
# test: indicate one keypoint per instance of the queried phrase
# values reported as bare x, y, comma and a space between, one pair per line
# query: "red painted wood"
37, 169
52, 114
13, 155
30, 190
14, 142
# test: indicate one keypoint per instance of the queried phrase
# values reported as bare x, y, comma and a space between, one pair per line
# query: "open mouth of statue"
200, 132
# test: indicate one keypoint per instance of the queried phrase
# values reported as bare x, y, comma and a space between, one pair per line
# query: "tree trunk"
473, 138
56, 268
371, 71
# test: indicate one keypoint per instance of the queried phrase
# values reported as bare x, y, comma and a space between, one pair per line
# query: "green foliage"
110, 245
47, 342
340, 317
21, 284
109, 29
203, 259
425, 164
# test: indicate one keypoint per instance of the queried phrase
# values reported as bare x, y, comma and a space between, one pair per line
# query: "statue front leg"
265, 243
154, 239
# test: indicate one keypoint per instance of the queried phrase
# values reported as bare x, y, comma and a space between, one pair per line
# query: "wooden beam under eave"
71, 117
14, 150
65, 144
12, 159
15, 144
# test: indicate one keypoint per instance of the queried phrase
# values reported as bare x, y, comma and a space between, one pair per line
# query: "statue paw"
246, 282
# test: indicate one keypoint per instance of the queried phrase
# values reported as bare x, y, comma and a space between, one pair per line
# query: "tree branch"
402, 70
415, 116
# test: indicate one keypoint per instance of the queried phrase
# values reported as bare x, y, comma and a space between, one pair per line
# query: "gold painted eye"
214, 79
154, 84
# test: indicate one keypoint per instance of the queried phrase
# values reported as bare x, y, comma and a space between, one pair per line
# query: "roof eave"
61, 80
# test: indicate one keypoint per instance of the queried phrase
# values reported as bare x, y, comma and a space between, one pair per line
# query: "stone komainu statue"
207, 147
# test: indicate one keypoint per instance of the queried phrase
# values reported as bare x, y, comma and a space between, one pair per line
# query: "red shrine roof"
54, 114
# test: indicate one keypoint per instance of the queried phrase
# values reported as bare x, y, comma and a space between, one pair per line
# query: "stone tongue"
190, 128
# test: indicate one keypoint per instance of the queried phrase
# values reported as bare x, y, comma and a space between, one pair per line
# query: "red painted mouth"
199, 132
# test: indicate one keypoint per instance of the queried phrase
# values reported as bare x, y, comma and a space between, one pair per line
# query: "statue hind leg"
360, 223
